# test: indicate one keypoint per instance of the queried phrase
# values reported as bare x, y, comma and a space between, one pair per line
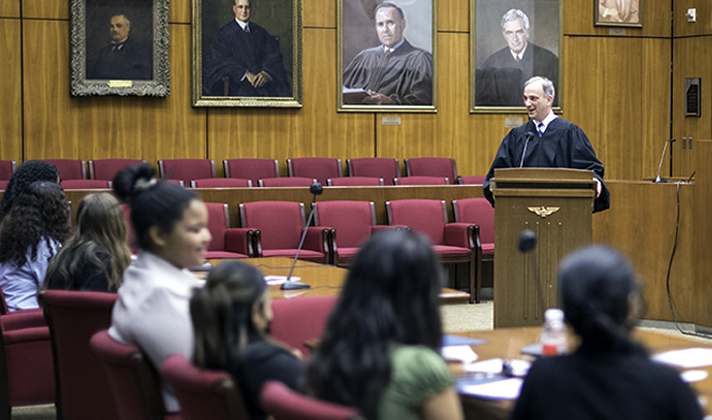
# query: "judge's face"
119, 28
538, 105
389, 27
516, 35
242, 10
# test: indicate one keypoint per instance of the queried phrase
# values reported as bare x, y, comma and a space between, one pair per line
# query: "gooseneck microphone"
529, 135
658, 179
527, 241
316, 189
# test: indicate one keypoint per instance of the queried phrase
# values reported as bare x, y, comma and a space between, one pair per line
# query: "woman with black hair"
30, 171
231, 317
152, 310
610, 376
31, 233
379, 351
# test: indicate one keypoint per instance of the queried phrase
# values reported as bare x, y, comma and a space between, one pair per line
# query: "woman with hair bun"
231, 318
609, 376
152, 310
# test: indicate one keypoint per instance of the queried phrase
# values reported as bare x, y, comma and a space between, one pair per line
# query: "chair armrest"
240, 240
460, 234
23, 318
317, 238
26, 335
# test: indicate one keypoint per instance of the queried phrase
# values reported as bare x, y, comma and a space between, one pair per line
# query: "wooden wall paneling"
691, 58
579, 15
319, 13
703, 232
314, 130
454, 15
10, 8
59, 126
10, 90
703, 25
43, 9
655, 104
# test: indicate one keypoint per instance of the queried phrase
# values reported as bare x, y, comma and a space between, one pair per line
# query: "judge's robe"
563, 145
234, 52
406, 75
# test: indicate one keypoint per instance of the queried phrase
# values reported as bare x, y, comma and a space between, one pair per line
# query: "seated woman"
30, 171
31, 233
152, 310
97, 255
231, 318
379, 351
610, 376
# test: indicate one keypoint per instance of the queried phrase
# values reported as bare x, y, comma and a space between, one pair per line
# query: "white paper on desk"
462, 354
507, 389
493, 366
687, 358
277, 280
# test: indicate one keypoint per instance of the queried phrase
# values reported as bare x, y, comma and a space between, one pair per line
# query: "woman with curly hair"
97, 255
29, 172
32, 232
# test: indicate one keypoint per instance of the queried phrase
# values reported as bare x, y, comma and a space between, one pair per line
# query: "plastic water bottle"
554, 341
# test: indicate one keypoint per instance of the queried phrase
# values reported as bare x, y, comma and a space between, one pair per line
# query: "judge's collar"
242, 24
549, 118
521, 54
394, 47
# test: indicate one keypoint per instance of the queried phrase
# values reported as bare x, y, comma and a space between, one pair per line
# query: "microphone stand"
658, 179
316, 189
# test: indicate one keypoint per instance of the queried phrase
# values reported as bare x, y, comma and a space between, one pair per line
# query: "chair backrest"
295, 181
422, 180
352, 220
221, 183
108, 168
203, 393
187, 169
73, 317
385, 168
320, 168
472, 180
85, 184
423, 216
431, 166
133, 380
284, 404
69, 168
354, 181
477, 211
3, 184
7, 168
298, 320
280, 222
218, 223
252, 169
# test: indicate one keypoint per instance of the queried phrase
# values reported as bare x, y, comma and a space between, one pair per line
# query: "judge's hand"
599, 187
259, 79
376, 98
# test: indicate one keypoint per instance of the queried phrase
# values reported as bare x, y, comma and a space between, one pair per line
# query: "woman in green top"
379, 351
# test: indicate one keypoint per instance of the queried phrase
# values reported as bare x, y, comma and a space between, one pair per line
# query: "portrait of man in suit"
123, 58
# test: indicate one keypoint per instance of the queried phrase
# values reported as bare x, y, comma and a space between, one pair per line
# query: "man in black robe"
547, 141
124, 58
245, 60
499, 82
394, 73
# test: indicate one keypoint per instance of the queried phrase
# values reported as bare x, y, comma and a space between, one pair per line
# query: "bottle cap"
554, 314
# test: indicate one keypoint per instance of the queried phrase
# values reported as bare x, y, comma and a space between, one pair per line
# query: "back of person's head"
39, 213
153, 202
222, 314
599, 292
30, 171
390, 298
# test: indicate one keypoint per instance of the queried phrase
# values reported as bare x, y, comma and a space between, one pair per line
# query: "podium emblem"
543, 211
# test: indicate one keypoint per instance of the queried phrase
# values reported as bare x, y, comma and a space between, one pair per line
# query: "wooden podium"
556, 204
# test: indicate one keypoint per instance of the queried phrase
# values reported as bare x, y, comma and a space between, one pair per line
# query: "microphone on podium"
316, 189
658, 179
529, 135
527, 241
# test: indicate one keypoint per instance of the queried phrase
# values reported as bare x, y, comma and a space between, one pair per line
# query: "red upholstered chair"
295, 181
422, 180
385, 168
203, 393
471, 180
7, 168
26, 368
176, 181
252, 169
278, 227
284, 404
479, 212
85, 184
73, 317
227, 242
133, 380
431, 166
69, 168
221, 183
108, 168
452, 242
186, 169
299, 320
3, 184
320, 168
355, 181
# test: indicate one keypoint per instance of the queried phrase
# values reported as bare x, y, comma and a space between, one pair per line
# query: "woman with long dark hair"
380, 350
30, 171
231, 317
31, 233
152, 310
97, 255
609, 376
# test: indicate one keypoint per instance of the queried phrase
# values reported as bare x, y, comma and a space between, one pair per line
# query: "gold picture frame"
625, 13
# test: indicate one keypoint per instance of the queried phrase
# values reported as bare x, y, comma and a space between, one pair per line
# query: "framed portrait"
386, 56
119, 47
618, 13
511, 42
247, 53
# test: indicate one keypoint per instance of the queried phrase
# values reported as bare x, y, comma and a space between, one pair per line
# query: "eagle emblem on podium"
543, 211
